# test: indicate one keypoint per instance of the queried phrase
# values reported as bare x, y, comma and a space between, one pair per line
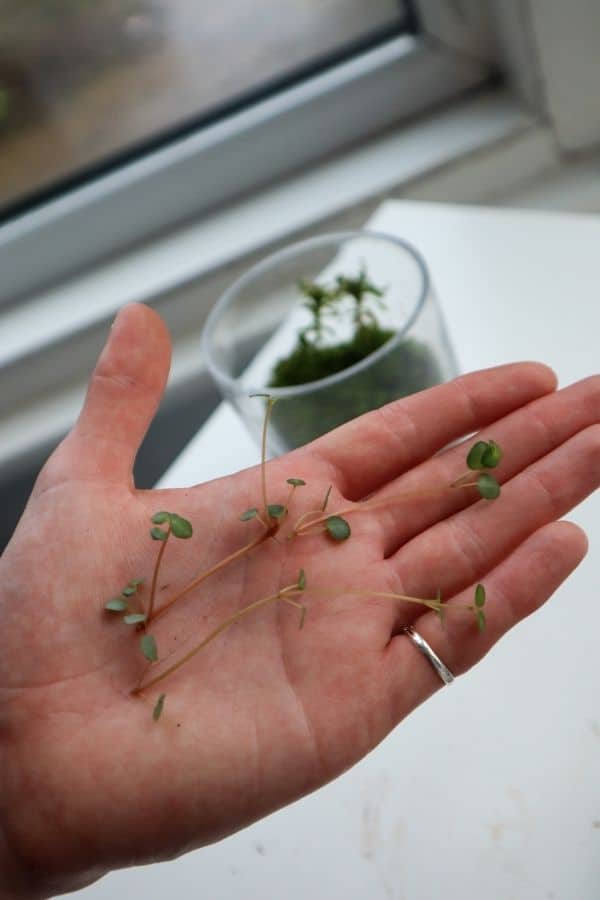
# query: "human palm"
266, 712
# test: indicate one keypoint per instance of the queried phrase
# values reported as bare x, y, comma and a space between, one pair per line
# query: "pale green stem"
375, 504
290, 589
155, 575
206, 574
263, 456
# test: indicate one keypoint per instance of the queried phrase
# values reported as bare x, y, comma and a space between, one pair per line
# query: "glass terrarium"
331, 327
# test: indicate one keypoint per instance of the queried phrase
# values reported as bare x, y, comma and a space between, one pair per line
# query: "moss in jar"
408, 368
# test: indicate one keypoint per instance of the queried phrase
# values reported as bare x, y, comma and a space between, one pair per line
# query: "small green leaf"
128, 591
249, 514
301, 580
157, 534
326, 500
481, 620
492, 455
160, 518
158, 707
479, 596
117, 604
134, 618
180, 527
488, 486
475, 455
276, 510
296, 482
337, 528
148, 646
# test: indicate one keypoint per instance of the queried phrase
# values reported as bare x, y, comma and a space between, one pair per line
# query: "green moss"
409, 367
310, 362
405, 369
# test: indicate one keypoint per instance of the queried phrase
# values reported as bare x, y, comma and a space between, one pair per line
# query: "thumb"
122, 398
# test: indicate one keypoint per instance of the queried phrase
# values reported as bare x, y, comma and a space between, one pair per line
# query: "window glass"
84, 81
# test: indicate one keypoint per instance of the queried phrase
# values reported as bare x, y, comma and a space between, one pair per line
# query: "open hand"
266, 712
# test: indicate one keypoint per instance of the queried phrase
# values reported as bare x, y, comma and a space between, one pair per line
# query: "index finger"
372, 450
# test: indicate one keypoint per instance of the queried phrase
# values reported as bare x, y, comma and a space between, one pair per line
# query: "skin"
266, 713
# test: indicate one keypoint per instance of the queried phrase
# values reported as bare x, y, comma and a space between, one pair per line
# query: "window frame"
375, 90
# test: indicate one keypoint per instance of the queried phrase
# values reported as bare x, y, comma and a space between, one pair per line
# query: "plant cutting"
275, 523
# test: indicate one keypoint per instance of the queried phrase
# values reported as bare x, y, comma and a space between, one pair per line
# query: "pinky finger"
518, 586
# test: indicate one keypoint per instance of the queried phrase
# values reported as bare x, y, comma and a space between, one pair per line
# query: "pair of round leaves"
178, 526
488, 487
484, 455
274, 511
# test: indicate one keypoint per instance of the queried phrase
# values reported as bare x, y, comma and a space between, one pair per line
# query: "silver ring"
442, 670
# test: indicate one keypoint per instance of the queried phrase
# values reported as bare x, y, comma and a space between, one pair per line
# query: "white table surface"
492, 789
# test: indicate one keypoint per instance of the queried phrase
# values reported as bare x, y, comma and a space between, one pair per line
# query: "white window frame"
375, 90
551, 52
382, 88
547, 50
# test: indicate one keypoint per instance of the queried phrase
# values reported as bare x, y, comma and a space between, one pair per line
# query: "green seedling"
319, 299
482, 455
178, 527
282, 595
335, 526
359, 289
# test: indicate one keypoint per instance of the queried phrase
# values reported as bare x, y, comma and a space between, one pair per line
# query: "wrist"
25, 879
28, 869
19, 880
15, 883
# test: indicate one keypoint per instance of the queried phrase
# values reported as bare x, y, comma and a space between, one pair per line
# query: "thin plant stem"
310, 512
161, 551
435, 605
263, 456
375, 504
147, 667
299, 606
284, 594
460, 481
290, 589
289, 496
208, 572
